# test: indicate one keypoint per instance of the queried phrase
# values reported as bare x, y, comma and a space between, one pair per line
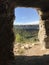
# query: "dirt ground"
35, 50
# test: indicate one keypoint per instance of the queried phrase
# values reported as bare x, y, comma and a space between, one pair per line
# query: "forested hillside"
26, 33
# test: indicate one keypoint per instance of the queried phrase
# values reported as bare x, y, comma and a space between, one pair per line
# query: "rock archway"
6, 25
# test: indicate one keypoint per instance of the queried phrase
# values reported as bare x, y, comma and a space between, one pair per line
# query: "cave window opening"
26, 26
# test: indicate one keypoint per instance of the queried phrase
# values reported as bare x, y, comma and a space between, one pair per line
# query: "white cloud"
27, 23
31, 23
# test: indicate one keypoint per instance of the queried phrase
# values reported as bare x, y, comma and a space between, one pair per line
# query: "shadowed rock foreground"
32, 60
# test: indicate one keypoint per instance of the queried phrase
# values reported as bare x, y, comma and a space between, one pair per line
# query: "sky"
24, 16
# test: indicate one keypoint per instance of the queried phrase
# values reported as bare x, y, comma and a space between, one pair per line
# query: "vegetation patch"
26, 35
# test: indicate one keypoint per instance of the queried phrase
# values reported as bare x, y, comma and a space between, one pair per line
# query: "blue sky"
25, 16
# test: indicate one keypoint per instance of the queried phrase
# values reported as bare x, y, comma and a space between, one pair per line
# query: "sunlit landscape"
26, 28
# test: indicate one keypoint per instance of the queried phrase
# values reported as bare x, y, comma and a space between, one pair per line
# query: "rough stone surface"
6, 34
42, 34
6, 25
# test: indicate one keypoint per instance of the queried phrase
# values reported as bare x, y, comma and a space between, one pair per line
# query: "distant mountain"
26, 26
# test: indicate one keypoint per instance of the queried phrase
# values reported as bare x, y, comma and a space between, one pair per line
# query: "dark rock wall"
44, 27
6, 33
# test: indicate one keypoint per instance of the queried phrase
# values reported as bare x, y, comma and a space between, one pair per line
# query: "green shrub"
19, 38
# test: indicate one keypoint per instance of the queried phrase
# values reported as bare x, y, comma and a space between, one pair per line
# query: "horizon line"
29, 23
